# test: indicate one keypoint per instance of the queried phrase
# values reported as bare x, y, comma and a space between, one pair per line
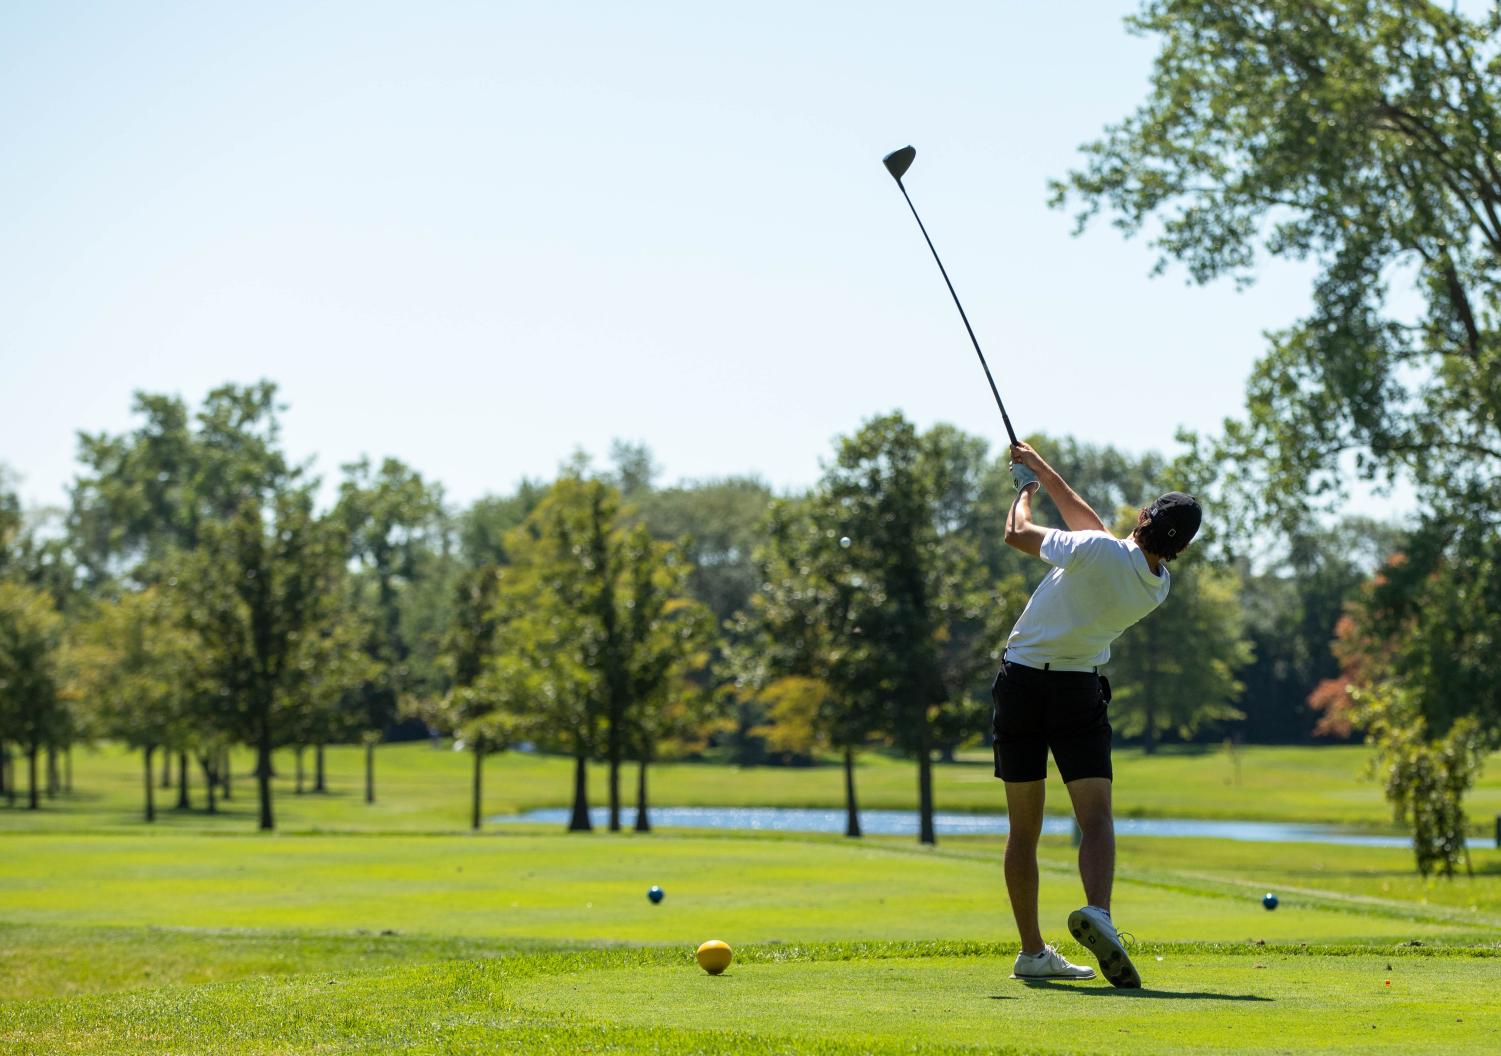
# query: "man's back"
1099, 586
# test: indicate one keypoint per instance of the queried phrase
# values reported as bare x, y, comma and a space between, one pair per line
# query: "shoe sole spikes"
1115, 964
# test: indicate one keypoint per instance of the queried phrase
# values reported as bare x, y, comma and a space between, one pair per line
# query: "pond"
904, 823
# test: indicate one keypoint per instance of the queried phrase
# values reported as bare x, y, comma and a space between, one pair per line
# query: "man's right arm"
1077, 514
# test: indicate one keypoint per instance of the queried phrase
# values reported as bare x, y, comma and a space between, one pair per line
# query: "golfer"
1049, 695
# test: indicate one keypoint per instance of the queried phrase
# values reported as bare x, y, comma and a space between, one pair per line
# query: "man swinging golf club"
1049, 695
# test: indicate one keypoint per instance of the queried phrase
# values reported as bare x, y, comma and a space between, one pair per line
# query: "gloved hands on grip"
1023, 476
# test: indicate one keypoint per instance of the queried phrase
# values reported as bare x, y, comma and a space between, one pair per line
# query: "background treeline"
194, 595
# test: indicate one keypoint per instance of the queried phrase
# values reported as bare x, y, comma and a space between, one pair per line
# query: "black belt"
1049, 666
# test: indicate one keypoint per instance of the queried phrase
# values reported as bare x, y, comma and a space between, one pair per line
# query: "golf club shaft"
969, 329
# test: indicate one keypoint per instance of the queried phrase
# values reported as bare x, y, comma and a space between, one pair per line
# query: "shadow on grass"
1143, 994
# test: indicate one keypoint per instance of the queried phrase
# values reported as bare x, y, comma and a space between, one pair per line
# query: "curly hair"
1153, 538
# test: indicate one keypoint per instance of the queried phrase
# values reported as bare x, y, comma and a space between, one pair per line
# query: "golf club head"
899, 161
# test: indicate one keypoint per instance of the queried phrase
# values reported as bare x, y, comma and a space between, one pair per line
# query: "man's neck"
1153, 561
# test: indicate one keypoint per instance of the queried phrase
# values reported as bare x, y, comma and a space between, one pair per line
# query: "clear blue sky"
478, 236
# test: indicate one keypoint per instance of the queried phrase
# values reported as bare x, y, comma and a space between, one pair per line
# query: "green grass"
550, 887
422, 789
880, 998
385, 928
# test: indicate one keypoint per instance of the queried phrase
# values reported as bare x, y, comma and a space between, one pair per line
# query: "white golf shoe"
1049, 964
1094, 929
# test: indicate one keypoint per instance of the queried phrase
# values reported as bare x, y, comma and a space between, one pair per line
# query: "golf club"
897, 163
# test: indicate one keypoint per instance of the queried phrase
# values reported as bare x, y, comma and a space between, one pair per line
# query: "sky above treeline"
480, 237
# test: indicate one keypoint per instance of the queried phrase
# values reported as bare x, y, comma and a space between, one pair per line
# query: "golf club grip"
1010, 432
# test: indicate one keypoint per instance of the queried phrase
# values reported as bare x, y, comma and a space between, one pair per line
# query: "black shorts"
1062, 710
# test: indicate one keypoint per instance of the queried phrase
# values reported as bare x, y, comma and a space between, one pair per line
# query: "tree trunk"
183, 803
166, 769
224, 776
615, 754
925, 779
369, 771
210, 781
643, 822
477, 791
297, 754
68, 770
5, 789
263, 775
579, 822
150, 785
319, 784
31, 790
54, 782
851, 810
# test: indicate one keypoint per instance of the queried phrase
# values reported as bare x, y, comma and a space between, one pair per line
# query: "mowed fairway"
821, 999
388, 928
181, 942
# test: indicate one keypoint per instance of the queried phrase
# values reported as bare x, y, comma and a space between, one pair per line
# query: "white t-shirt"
1099, 586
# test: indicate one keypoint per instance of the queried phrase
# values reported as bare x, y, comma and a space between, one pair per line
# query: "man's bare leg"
1091, 796
1024, 802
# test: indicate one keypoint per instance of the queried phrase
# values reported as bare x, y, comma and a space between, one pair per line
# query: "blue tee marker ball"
655, 893
1269, 900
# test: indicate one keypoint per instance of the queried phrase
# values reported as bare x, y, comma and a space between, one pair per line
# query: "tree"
263, 588
927, 609
595, 628
31, 711
137, 666
1416, 651
392, 521
1362, 135
547, 668
147, 497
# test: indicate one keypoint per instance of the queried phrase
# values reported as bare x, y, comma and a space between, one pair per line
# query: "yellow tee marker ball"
714, 956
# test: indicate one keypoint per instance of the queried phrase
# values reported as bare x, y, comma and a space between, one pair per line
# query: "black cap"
1178, 514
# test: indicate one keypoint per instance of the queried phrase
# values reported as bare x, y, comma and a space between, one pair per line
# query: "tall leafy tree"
591, 603
549, 665
1361, 135
263, 588
928, 609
